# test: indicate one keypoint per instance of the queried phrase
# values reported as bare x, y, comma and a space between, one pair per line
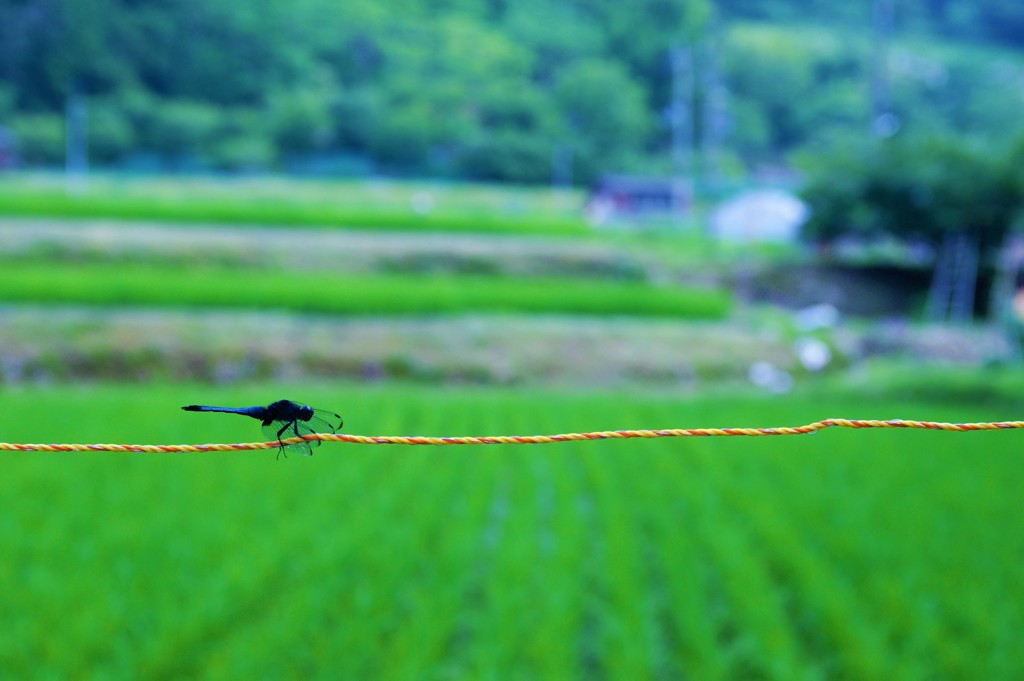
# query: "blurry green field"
157, 284
280, 201
847, 554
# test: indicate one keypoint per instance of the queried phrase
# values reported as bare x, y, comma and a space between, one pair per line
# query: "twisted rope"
523, 439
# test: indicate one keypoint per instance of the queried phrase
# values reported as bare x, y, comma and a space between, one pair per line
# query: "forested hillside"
489, 89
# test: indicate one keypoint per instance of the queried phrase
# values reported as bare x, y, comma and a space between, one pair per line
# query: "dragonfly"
284, 419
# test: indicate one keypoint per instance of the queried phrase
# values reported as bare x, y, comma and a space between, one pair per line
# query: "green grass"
278, 201
327, 292
846, 554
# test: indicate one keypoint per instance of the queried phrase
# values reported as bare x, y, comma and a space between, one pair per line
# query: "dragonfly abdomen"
255, 412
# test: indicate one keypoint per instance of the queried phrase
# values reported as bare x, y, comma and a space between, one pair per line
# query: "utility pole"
883, 123
714, 106
681, 122
561, 166
76, 149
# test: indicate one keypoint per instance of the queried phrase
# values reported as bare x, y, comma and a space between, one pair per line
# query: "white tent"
759, 215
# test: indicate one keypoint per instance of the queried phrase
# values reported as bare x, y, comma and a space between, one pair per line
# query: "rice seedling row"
95, 284
838, 554
253, 208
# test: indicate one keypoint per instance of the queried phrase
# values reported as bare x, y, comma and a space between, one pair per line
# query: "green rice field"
328, 292
404, 206
842, 555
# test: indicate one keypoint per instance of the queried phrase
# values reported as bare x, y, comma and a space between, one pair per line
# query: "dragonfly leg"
279, 434
295, 427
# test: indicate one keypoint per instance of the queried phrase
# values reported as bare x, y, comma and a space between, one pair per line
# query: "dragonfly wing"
282, 430
324, 421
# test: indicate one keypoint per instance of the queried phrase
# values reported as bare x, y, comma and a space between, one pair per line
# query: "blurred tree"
181, 128
998, 20
301, 120
790, 93
418, 85
604, 114
531, 22
40, 138
663, 24
6, 101
243, 152
961, 197
1003, 21
514, 131
436, 86
110, 133
243, 142
49, 46
916, 187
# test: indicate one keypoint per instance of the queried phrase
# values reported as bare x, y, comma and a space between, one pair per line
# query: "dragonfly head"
305, 412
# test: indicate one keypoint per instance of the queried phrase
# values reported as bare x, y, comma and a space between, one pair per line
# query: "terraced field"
847, 554
128, 284
372, 204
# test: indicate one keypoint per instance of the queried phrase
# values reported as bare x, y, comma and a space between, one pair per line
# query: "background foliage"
481, 88
920, 188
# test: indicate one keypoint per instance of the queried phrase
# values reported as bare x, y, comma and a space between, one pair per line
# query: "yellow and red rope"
524, 439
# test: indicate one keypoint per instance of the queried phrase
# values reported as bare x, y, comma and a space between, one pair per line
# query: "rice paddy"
846, 554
